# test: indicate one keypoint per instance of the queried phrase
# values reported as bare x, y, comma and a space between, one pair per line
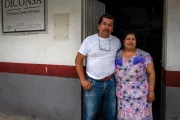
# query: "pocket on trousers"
90, 80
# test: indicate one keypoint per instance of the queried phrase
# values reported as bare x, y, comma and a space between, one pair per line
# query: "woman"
135, 81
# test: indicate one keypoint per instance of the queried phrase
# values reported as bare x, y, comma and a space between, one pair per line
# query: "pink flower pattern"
132, 87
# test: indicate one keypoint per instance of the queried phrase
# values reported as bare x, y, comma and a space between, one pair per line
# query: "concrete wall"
42, 96
173, 30
171, 59
48, 98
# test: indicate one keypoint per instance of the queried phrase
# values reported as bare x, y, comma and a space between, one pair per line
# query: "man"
99, 84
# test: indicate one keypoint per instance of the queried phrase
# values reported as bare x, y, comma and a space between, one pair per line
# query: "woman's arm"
151, 78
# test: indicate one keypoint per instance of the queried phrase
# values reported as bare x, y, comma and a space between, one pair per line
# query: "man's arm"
79, 68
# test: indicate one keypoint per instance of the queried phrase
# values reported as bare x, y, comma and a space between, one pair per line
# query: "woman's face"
130, 42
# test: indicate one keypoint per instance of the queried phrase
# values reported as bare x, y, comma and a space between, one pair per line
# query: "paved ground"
5, 117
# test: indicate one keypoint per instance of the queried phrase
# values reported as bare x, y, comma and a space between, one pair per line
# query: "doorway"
146, 19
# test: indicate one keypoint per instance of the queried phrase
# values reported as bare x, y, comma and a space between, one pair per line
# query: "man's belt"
107, 78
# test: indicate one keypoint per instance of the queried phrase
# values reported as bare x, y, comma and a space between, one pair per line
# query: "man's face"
105, 27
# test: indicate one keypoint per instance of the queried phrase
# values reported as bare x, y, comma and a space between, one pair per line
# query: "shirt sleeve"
120, 45
84, 47
148, 59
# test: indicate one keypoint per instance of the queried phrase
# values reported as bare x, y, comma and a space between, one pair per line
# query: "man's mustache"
106, 30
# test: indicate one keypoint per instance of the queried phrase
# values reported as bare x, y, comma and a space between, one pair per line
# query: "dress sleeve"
148, 59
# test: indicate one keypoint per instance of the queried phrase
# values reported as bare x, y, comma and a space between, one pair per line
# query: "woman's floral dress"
132, 87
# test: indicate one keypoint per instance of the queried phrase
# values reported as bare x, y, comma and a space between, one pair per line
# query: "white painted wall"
42, 48
171, 55
172, 35
164, 40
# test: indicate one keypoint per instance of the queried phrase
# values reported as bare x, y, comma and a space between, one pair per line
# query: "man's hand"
86, 84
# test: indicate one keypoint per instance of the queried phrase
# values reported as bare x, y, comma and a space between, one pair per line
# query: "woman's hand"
151, 97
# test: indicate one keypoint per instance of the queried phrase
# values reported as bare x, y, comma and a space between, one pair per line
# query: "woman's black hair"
125, 34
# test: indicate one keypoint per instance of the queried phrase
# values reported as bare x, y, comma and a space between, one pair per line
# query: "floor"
7, 117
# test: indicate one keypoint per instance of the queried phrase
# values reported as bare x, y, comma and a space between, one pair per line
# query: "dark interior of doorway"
145, 17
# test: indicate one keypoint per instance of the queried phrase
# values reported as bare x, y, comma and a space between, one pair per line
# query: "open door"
145, 18
91, 12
